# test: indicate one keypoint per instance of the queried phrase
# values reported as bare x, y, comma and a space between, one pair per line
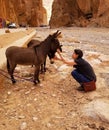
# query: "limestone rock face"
7, 10
80, 13
23, 11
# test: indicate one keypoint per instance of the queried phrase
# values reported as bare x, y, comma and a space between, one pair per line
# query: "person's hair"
79, 53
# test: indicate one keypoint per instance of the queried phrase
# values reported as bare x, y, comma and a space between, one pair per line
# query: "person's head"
77, 54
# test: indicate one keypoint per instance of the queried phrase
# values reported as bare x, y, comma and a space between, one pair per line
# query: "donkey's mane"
44, 41
47, 39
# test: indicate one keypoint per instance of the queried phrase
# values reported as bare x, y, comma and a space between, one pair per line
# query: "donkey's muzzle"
51, 61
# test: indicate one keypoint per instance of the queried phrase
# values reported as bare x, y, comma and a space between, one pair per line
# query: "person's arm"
70, 63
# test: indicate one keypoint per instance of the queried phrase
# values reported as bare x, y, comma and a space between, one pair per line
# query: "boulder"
97, 109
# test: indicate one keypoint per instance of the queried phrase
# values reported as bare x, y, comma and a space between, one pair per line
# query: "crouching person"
83, 72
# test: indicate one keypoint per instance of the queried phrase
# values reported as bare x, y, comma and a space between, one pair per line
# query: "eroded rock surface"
80, 13
23, 12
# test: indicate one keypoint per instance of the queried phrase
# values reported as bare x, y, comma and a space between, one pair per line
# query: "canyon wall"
80, 13
29, 12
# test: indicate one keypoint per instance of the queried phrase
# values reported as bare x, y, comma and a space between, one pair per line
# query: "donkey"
31, 56
33, 43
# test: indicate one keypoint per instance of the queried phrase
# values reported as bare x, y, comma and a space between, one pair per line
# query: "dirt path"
55, 104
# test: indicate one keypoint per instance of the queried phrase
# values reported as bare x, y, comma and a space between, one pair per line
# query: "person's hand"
58, 51
56, 58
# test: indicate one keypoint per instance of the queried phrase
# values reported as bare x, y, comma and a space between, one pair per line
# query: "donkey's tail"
8, 65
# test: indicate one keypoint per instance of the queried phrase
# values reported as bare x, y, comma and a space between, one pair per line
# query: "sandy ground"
55, 104
9, 38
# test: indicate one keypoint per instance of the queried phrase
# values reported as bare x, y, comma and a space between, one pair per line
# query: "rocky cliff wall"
23, 11
80, 13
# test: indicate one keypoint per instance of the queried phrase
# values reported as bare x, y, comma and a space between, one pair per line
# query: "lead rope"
2, 72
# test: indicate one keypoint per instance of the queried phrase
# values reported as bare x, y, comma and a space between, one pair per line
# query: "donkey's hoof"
42, 72
13, 81
38, 81
34, 82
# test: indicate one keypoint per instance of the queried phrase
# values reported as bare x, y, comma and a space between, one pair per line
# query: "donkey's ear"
56, 34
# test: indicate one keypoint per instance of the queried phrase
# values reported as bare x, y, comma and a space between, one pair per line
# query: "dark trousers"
79, 77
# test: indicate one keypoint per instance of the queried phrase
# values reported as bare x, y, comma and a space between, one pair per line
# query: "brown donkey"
51, 55
31, 56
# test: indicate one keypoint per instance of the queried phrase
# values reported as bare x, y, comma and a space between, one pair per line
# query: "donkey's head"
55, 44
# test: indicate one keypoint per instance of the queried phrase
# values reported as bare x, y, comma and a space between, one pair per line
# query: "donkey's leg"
42, 68
36, 74
12, 67
45, 65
